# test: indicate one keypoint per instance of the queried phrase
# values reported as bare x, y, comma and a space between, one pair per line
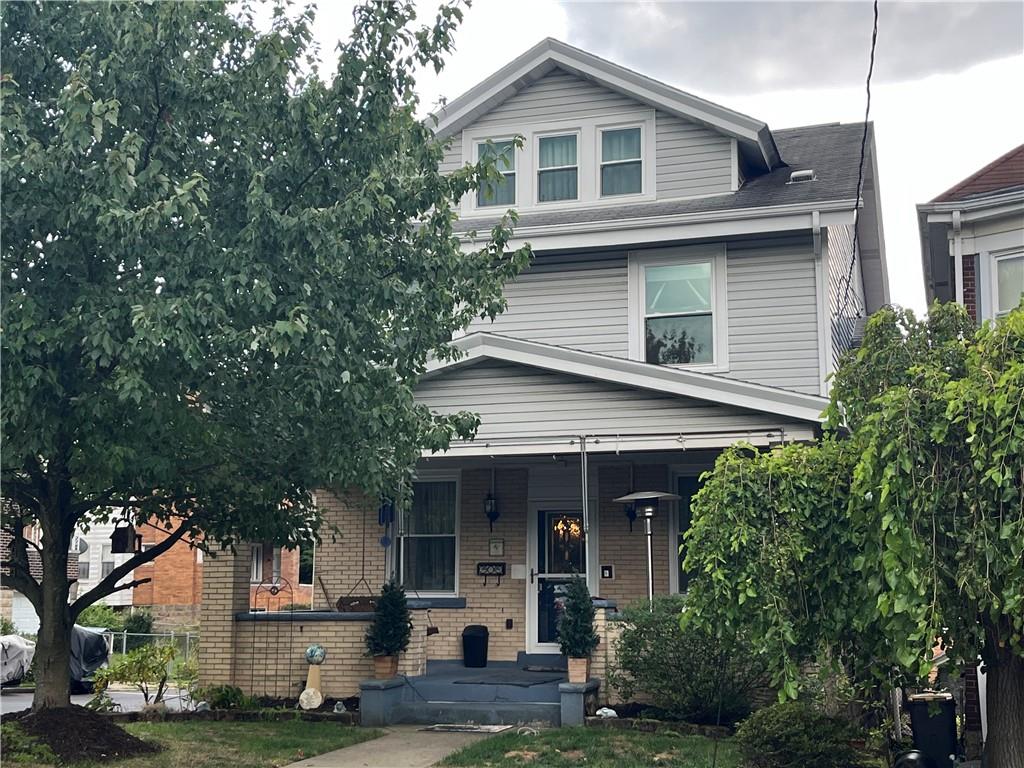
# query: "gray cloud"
745, 47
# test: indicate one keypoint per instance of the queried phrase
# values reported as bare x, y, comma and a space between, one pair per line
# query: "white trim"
657, 378
549, 54
824, 313
255, 563
994, 257
534, 508
433, 476
538, 136
636, 301
647, 159
670, 228
734, 164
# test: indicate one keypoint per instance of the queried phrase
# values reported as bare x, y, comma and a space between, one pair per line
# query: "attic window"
501, 192
799, 177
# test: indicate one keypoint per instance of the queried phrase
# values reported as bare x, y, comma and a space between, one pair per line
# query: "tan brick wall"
624, 549
349, 525
6, 602
225, 593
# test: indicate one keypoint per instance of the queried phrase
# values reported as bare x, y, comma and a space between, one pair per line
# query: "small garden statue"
576, 635
312, 697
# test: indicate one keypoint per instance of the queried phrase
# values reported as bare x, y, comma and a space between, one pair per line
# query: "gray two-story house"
696, 276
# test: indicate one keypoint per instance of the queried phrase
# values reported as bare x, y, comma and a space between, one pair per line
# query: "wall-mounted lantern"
645, 504
491, 509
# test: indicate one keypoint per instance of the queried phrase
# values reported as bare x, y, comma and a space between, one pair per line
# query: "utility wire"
860, 165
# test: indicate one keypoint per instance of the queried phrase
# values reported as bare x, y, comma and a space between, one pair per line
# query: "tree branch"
119, 588
24, 583
108, 585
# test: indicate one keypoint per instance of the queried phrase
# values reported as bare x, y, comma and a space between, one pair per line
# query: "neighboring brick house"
176, 591
972, 239
695, 277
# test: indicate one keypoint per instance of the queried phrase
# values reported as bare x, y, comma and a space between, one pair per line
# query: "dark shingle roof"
832, 151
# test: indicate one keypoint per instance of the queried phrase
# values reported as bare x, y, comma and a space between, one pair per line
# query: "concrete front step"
478, 713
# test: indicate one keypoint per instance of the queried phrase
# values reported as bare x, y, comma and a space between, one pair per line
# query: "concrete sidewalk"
402, 746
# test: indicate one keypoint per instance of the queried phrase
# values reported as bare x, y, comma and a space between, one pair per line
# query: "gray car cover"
88, 652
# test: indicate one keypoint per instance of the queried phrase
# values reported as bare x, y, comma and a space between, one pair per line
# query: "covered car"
89, 652
16, 654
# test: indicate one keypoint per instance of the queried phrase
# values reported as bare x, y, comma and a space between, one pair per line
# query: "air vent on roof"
798, 177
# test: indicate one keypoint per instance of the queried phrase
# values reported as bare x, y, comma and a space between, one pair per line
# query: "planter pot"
579, 670
385, 667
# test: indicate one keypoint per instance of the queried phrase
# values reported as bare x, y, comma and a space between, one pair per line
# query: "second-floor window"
1009, 282
106, 561
558, 170
621, 162
501, 192
678, 313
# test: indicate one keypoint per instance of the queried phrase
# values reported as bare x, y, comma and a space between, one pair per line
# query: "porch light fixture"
491, 504
645, 504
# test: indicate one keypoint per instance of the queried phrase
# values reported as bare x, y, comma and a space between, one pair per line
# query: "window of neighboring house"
501, 192
427, 549
256, 563
306, 555
558, 172
1009, 282
106, 561
621, 162
83, 570
679, 313
276, 565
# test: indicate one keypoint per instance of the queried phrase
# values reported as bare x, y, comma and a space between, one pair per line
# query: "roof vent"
798, 177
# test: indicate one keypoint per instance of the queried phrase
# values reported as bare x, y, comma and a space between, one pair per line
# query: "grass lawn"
239, 745
596, 748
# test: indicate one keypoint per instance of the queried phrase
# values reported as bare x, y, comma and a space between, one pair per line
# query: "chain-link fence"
185, 643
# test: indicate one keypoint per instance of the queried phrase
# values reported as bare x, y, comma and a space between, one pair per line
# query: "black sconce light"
631, 515
125, 541
491, 504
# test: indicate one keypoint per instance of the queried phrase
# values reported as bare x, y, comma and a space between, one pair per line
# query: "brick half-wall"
971, 285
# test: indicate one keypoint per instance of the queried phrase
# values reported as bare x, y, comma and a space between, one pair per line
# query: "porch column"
225, 593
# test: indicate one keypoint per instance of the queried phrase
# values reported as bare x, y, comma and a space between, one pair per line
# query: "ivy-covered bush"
101, 615
225, 697
7, 626
146, 667
687, 673
794, 734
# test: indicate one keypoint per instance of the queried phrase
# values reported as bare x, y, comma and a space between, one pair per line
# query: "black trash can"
474, 645
934, 733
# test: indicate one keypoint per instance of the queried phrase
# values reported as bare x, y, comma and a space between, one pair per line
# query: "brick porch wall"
971, 285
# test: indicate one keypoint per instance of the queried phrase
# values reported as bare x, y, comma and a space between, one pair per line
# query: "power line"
860, 165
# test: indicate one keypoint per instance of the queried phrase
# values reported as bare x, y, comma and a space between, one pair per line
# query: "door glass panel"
550, 599
561, 556
564, 543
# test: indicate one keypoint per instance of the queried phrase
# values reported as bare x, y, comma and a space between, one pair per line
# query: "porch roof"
536, 398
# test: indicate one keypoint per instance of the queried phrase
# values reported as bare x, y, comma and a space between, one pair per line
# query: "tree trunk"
1004, 747
53, 644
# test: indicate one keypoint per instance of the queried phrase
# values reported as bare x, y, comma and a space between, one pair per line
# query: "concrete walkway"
402, 746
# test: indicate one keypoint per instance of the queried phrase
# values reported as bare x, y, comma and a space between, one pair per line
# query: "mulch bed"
76, 733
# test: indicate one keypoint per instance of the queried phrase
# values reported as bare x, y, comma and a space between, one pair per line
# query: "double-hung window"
678, 323
1009, 282
256, 563
558, 170
503, 191
428, 545
621, 162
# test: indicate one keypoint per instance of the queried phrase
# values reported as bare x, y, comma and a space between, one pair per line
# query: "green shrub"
794, 734
100, 615
576, 636
392, 625
147, 668
140, 623
7, 626
688, 674
225, 697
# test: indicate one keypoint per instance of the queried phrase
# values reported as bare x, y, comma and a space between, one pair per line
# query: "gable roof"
477, 347
755, 140
1002, 174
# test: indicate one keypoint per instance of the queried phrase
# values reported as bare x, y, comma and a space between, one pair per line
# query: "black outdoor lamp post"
645, 503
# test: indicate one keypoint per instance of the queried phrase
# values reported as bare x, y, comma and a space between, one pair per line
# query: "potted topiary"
389, 634
576, 634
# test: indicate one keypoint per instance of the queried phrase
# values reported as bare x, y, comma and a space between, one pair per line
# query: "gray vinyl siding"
582, 306
773, 314
692, 160
558, 95
453, 155
515, 401
844, 306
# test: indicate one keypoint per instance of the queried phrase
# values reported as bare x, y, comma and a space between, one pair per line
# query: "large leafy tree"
222, 273
909, 530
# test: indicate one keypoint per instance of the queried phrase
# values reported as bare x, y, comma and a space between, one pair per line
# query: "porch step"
548, 660
478, 713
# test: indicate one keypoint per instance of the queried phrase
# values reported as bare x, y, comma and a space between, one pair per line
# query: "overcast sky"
946, 92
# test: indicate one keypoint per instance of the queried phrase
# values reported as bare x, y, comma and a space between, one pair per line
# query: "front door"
557, 553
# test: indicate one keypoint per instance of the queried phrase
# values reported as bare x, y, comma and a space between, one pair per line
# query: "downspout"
583, 487
958, 257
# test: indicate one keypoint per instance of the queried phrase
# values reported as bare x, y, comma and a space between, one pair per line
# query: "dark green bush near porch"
576, 636
687, 674
392, 624
795, 734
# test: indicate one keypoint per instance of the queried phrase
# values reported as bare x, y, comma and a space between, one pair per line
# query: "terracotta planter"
579, 670
385, 667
